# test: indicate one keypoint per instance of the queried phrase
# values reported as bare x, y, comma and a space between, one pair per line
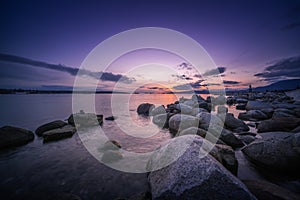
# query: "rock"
206, 119
247, 133
220, 100
192, 176
275, 150
180, 122
142, 196
285, 105
241, 100
251, 124
296, 130
278, 124
192, 131
110, 145
246, 138
230, 139
268, 111
240, 106
161, 120
13, 136
158, 110
203, 105
230, 100
196, 111
266, 190
110, 118
282, 112
222, 109
85, 119
191, 103
145, 109
111, 156
59, 133
257, 105
235, 124
197, 98
49, 126
184, 109
253, 115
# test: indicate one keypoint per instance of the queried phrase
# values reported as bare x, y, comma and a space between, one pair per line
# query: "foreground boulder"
13, 136
180, 122
276, 150
266, 190
278, 124
49, 126
191, 176
235, 124
59, 133
145, 109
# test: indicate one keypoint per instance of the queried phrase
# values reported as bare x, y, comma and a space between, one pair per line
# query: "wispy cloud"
188, 86
231, 82
285, 68
104, 76
219, 70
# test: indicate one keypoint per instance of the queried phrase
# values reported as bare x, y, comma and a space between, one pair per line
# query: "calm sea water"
38, 169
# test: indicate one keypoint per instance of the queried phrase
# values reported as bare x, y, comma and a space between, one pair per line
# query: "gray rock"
285, 105
145, 109
276, 150
220, 100
246, 138
222, 109
13, 136
266, 190
257, 105
190, 103
235, 124
49, 126
180, 122
184, 109
278, 124
192, 131
85, 119
191, 176
253, 115
240, 106
241, 100
110, 145
197, 111
206, 119
111, 156
161, 120
59, 133
158, 110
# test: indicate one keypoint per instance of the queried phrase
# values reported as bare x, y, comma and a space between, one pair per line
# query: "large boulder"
276, 151
59, 133
266, 190
278, 124
13, 136
180, 122
253, 115
192, 176
184, 109
145, 109
49, 126
207, 119
257, 105
196, 111
158, 110
161, 120
235, 124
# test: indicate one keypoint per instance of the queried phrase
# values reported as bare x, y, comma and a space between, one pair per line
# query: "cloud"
285, 68
186, 66
104, 76
183, 77
219, 70
231, 82
189, 86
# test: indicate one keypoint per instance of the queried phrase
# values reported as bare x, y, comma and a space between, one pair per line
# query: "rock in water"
110, 118
49, 126
235, 124
193, 177
276, 151
13, 136
145, 109
59, 133
158, 110
180, 122
85, 119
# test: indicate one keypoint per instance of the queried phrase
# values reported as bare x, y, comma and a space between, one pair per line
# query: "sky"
43, 43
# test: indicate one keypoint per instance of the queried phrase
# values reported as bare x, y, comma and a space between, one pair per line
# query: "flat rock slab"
49, 126
59, 133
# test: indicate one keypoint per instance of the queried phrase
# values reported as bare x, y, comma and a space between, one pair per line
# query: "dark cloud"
197, 76
189, 86
185, 66
285, 68
183, 77
104, 76
219, 70
231, 82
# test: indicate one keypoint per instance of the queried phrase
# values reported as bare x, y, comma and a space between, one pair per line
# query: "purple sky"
245, 37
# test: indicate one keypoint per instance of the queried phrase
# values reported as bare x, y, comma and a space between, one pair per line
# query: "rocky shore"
273, 146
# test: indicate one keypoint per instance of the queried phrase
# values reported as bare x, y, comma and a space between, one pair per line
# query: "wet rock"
265, 190
230, 139
145, 109
276, 151
184, 109
12, 136
196, 111
240, 106
192, 176
85, 119
158, 110
235, 124
161, 120
59, 133
257, 105
206, 119
285, 106
192, 131
110, 118
180, 122
220, 100
110, 145
222, 109
246, 138
278, 124
253, 115
190, 103
49, 126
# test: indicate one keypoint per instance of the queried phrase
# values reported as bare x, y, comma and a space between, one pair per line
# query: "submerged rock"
49, 126
145, 109
59, 133
85, 119
192, 176
12, 136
